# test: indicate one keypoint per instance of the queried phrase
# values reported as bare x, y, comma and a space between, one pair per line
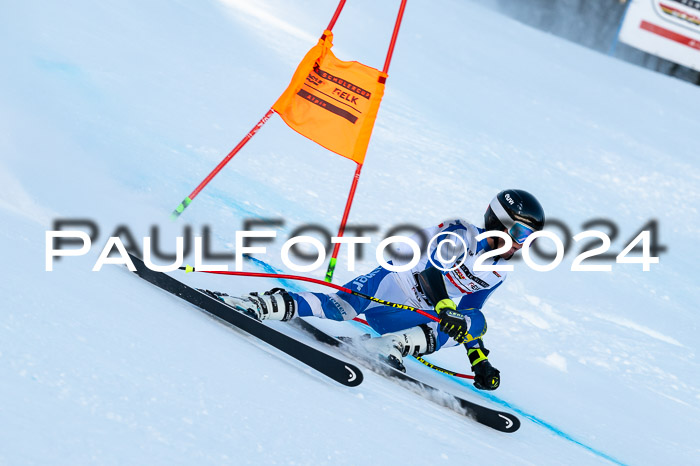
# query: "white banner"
669, 29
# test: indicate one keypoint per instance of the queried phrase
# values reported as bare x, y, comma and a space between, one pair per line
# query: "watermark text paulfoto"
395, 252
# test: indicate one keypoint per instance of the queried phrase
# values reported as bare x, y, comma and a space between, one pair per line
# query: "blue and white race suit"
467, 288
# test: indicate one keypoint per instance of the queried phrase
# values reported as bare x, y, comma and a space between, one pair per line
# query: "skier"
454, 290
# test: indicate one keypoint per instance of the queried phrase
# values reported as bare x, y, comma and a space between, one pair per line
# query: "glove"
451, 321
486, 377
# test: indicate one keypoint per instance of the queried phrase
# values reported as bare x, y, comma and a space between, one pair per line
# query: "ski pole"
443, 370
345, 290
318, 282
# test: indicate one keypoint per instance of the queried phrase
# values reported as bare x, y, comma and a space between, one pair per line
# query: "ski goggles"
520, 232
517, 230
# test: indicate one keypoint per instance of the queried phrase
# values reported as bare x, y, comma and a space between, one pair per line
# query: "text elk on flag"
333, 102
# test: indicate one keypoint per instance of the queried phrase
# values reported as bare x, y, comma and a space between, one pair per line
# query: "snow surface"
114, 111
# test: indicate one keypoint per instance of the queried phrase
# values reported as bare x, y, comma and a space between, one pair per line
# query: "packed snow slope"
114, 111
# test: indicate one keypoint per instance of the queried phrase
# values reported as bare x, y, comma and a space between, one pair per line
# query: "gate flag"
333, 102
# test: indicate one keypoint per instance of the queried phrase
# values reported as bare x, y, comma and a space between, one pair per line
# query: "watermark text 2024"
114, 244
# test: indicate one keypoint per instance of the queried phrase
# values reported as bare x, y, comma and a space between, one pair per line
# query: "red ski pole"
427, 314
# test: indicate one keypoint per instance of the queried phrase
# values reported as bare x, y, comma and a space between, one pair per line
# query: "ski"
499, 420
338, 370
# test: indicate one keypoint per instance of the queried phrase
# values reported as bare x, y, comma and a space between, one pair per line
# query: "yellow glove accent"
476, 356
445, 304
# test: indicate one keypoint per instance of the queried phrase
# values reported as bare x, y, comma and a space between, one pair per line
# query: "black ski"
499, 420
338, 370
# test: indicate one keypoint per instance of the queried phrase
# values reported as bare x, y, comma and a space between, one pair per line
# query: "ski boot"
393, 347
275, 304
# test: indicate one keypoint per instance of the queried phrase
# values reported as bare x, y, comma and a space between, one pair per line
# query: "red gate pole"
341, 4
390, 52
185, 202
356, 178
346, 213
183, 205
